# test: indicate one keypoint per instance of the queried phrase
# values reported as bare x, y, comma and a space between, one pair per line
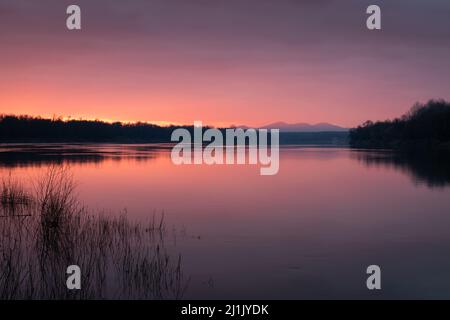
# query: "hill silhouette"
424, 126
305, 127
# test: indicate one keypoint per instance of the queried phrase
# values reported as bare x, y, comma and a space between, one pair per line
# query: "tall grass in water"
118, 258
12, 195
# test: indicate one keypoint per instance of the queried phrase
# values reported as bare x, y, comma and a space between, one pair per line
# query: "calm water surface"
308, 232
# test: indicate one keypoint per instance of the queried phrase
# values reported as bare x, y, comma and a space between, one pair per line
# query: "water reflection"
430, 168
24, 155
308, 232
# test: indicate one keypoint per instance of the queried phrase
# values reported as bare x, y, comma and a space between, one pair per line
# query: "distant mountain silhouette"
304, 127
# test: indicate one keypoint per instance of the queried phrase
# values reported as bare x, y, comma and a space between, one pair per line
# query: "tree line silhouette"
425, 125
37, 129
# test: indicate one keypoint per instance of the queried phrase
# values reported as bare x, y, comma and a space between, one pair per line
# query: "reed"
118, 258
13, 194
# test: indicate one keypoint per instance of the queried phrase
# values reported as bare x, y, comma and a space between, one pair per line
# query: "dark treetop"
424, 126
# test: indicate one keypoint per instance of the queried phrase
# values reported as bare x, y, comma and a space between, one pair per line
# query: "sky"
223, 62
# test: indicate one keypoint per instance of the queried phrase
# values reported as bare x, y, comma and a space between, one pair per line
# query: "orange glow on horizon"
161, 123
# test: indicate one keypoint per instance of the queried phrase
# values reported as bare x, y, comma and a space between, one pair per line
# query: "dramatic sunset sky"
223, 62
